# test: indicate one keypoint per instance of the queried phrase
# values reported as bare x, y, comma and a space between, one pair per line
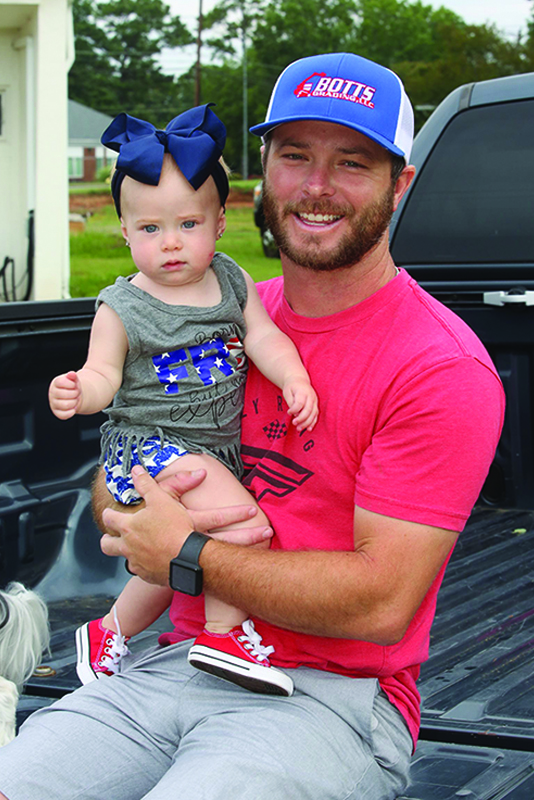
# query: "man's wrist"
185, 572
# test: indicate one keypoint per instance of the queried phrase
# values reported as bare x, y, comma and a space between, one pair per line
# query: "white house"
36, 52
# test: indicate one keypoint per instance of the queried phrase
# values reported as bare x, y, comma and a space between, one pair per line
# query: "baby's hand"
302, 401
65, 395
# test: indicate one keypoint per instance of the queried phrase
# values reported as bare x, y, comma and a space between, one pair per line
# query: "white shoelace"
116, 650
251, 640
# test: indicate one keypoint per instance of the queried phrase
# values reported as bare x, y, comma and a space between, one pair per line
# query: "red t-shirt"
411, 410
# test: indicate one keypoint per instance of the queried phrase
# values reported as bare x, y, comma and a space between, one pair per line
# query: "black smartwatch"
185, 572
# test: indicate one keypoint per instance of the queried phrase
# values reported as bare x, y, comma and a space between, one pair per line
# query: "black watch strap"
192, 547
185, 573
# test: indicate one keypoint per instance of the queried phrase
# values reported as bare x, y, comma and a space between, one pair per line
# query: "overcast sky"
508, 15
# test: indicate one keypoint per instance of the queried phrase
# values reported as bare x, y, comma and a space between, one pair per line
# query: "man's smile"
318, 219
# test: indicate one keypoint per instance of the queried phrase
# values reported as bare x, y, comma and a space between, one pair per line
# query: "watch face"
186, 579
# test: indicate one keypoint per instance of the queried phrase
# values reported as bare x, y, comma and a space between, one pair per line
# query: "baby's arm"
93, 387
278, 359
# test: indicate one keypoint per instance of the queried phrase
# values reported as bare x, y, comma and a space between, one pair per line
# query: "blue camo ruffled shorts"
156, 456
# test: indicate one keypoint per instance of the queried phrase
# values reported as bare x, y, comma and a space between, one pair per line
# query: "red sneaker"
99, 651
240, 657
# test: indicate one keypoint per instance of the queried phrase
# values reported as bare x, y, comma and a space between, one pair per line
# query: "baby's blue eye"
189, 224
151, 228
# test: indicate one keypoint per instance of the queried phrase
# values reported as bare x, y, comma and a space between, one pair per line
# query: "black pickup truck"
465, 231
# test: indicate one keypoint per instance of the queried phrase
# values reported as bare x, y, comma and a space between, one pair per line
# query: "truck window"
473, 201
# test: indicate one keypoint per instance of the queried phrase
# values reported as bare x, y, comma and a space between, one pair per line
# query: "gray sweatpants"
162, 730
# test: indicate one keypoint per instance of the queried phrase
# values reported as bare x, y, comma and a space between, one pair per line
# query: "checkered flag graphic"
275, 430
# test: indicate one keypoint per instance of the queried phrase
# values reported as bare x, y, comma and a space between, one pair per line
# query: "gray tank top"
185, 370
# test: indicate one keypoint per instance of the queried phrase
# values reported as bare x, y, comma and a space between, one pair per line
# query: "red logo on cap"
319, 84
304, 88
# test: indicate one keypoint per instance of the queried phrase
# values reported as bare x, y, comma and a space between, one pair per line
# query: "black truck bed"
477, 737
478, 706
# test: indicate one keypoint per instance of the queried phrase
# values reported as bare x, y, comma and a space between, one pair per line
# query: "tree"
228, 21
236, 20
432, 50
116, 68
292, 29
222, 85
467, 53
393, 31
529, 43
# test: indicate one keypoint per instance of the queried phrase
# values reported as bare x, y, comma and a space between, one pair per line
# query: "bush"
103, 175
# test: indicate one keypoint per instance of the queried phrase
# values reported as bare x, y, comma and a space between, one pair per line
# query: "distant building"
86, 154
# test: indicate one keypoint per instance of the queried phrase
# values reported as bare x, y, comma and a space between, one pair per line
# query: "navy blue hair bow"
195, 139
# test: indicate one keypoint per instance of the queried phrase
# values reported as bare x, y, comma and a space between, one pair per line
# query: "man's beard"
366, 230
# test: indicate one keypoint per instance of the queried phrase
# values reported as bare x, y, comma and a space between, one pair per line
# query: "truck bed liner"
476, 686
479, 676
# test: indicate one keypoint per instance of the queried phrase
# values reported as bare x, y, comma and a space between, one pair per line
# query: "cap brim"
267, 126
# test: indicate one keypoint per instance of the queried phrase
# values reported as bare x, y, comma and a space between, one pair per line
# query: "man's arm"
370, 593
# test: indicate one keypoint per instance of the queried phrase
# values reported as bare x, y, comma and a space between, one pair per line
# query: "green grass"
242, 242
98, 254
84, 187
244, 185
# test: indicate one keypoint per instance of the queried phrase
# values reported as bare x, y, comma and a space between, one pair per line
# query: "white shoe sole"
84, 670
254, 677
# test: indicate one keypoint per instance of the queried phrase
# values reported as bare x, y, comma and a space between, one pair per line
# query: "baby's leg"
220, 488
138, 606
230, 647
101, 643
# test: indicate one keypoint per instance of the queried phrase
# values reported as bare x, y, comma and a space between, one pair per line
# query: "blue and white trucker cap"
348, 90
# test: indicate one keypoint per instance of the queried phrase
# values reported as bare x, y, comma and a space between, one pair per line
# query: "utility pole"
198, 92
244, 164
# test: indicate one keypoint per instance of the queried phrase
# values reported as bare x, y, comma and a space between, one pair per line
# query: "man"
366, 510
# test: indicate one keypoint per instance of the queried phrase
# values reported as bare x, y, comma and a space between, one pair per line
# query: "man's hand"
154, 535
